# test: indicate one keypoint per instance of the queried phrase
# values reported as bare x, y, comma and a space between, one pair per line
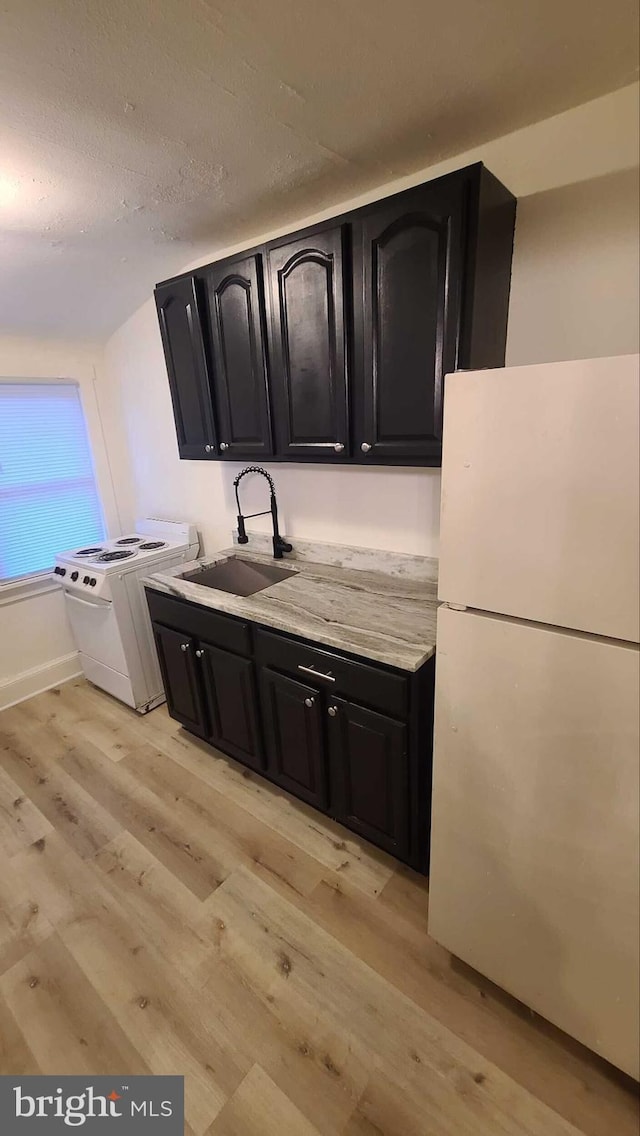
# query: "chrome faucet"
279, 545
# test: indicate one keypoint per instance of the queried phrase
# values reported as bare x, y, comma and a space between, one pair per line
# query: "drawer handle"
316, 674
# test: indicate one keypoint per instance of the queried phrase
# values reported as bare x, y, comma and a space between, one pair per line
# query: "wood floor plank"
394, 942
154, 822
164, 910
90, 704
275, 939
67, 1025
20, 821
260, 1108
305, 1058
33, 758
159, 1012
74, 718
15, 1056
307, 1055
52, 875
135, 968
23, 923
239, 836
329, 843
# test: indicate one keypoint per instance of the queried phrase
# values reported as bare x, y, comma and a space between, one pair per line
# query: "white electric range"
108, 611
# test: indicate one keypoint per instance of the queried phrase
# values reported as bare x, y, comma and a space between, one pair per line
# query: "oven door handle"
88, 603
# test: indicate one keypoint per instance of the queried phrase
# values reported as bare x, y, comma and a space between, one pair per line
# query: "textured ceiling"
136, 134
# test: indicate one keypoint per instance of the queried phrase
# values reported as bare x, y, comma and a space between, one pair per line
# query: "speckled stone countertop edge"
387, 617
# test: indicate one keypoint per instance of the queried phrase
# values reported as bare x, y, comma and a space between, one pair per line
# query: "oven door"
95, 630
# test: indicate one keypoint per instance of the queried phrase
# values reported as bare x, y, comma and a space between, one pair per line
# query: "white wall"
36, 648
574, 294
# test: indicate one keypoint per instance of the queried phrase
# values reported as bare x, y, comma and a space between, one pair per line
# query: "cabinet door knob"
309, 702
184, 646
365, 447
199, 654
224, 446
339, 447
333, 710
207, 449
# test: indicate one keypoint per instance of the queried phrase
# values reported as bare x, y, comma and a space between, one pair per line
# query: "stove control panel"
81, 580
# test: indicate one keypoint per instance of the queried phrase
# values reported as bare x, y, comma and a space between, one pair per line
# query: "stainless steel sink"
238, 576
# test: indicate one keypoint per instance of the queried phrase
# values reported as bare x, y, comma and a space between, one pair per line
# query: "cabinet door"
237, 326
232, 701
293, 733
411, 279
370, 775
308, 344
176, 655
181, 330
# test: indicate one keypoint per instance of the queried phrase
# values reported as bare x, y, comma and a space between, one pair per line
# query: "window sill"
16, 590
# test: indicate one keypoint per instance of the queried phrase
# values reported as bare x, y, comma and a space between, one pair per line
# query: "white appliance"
107, 608
534, 854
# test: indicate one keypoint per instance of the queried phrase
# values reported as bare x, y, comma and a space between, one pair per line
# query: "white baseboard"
34, 681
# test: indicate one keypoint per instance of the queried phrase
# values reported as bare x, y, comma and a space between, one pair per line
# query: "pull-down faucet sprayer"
279, 545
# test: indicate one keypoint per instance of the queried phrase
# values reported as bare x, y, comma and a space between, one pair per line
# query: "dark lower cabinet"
353, 739
293, 733
177, 658
232, 702
369, 765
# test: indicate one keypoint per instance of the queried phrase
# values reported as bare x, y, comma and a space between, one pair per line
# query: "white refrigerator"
534, 847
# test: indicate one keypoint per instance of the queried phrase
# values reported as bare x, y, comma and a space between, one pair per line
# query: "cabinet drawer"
219, 630
347, 677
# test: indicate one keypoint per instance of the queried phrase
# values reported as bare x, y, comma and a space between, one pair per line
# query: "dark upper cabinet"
232, 702
179, 313
238, 347
341, 352
178, 664
410, 277
292, 719
309, 313
370, 774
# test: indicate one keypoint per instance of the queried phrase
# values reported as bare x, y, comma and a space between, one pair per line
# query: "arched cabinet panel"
238, 346
308, 334
331, 344
411, 261
178, 307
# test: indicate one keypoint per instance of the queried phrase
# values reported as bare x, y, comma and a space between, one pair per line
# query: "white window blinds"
48, 496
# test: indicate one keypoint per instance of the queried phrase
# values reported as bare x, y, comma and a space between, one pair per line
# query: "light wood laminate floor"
163, 910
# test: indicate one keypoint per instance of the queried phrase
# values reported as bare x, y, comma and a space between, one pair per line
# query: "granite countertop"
378, 605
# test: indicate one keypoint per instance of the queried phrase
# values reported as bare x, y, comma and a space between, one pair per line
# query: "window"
48, 496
